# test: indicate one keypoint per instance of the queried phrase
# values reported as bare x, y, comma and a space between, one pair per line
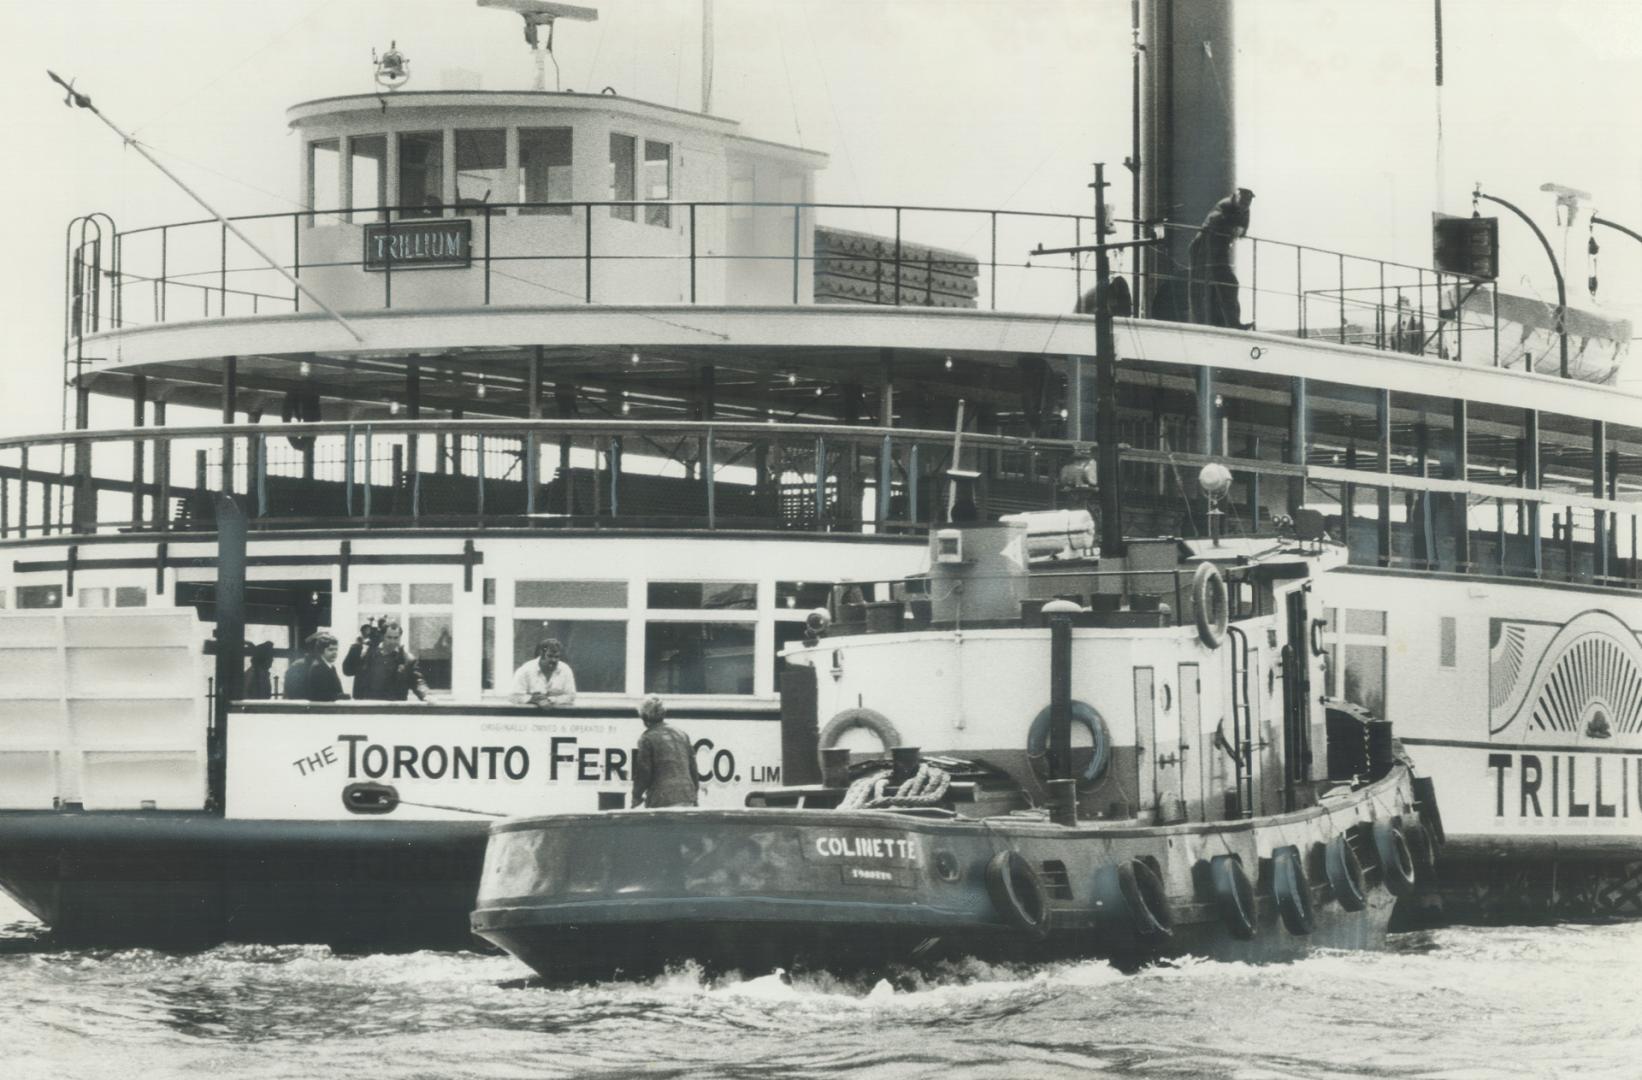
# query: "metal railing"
541, 474
910, 253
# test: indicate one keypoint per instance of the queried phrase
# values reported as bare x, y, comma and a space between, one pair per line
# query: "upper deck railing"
193, 270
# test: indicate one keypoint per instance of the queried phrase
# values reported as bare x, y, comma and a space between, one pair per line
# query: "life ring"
870, 719
1037, 738
1292, 890
1396, 861
1130, 894
1209, 601
1345, 874
1018, 893
1233, 895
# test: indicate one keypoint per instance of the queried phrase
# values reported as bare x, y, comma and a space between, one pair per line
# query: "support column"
1530, 479
413, 411
1382, 495
1599, 488
706, 407
533, 411
1299, 436
1460, 471
139, 448
230, 391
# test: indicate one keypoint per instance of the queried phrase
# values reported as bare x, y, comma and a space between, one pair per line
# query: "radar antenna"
537, 14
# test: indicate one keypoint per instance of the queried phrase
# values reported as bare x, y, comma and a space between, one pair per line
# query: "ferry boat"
576, 366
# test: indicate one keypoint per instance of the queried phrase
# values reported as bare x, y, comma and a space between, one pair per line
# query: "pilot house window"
324, 178
481, 163
368, 156
421, 174
544, 169
622, 149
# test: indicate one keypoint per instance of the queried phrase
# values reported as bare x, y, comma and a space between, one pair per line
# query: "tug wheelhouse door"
1297, 657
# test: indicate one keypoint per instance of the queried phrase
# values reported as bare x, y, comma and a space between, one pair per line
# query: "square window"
93, 598
39, 596
429, 637
702, 595
421, 174
802, 595
570, 594
375, 594
131, 596
698, 658
658, 182
431, 594
595, 650
369, 154
1365, 622
325, 179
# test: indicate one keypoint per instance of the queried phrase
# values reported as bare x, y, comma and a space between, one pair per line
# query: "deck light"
792, 380
393, 408
305, 369
635, 358
949, 363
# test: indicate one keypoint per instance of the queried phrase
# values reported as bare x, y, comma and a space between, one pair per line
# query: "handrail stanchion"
692, 253
369, 462
1494, 303
1380, 323
587, 250
222, 274
1342, 260
707, 470
296, 260
1254, 282
994, 261
897, 256
347, 472
1419, 293
1299, 291
487, 254
795, 250
165, 231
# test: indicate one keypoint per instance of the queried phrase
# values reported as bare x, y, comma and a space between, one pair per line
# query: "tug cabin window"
658, 182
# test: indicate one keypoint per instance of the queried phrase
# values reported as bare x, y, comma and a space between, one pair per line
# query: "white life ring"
1209, 601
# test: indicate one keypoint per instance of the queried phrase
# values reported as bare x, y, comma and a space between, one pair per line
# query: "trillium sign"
419, 245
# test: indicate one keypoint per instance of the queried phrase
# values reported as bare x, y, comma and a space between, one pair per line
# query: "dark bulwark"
580, 897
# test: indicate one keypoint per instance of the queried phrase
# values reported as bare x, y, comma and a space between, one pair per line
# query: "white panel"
113, 780
168, 723
28, 779
133, 627
26, 721
137, 673
19, 631
31, 672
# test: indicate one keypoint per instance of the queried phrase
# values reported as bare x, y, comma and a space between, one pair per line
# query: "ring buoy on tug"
867, 719
1292, 890
1345, 874
1018, 893
1233, 895
1130, 895
1396, 861
1209, 601
1037, 738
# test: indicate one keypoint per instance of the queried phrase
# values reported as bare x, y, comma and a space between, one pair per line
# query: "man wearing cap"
663, 765
546, 681
1215, 295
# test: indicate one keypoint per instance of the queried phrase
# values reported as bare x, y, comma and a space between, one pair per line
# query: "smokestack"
1189, 156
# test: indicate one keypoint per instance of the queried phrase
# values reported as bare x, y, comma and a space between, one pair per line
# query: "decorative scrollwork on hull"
1586, 683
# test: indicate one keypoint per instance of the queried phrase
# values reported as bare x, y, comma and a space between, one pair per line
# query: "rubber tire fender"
1345, 874
1037, 738
849, 719
1292, 890
1134, 894
1233, 895
1018, 893
1396, 861
1210, 604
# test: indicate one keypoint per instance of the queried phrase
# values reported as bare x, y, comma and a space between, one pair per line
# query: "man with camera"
547, 680
382, 668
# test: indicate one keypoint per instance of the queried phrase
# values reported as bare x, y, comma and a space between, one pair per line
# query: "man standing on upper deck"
663, 763
1214, 292
321, 680
383, 669
547, 680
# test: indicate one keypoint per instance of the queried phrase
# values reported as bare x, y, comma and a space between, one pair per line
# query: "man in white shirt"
546, 681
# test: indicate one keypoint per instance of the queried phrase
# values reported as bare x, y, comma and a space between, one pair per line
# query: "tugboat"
1178, 825
574, 366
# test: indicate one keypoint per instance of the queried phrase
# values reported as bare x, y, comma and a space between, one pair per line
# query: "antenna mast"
537, 14
76, 98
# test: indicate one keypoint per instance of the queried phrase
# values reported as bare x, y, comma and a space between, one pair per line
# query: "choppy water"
1453, 1004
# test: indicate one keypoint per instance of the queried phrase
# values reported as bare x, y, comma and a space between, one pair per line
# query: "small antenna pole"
84, 102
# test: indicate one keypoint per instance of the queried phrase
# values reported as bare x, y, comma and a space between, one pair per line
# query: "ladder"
1242, 749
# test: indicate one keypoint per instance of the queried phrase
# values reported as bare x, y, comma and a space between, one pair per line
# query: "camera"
371, 631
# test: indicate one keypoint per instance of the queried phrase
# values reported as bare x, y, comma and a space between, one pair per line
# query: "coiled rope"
927, 787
